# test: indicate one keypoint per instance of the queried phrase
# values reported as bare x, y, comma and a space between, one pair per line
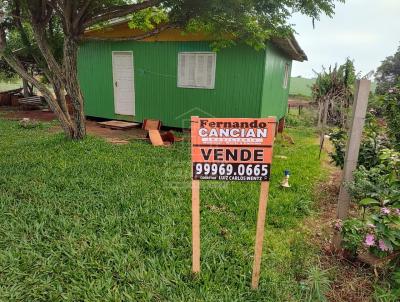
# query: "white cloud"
364, 30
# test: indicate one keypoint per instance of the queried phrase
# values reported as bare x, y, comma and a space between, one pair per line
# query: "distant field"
4, 86
301, 86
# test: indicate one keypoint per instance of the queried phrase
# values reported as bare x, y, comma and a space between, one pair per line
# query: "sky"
366, 31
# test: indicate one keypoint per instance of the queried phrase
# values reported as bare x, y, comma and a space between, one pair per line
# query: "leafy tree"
388, 74
52, 29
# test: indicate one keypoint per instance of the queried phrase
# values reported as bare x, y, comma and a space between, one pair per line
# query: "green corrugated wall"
238, 82
274, 96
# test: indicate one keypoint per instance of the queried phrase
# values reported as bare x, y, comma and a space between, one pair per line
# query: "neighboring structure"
172, 76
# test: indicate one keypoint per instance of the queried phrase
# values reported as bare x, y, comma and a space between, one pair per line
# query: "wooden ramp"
118, 125
155, 138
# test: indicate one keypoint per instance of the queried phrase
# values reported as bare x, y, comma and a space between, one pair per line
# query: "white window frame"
286, 76
181, 83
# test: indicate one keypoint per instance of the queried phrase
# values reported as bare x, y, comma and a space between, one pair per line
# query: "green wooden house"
172, 76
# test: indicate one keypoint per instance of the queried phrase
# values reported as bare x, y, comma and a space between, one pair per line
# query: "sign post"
231, 149
196, 225
262, 211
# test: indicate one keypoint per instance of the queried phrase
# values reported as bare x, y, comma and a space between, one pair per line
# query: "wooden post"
320, 108
322, 127
196, 226
352, 149
262, 210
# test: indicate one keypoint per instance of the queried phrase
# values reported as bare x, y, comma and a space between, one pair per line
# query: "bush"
380, 182
392, 114
338, 137
377, 193
374, 140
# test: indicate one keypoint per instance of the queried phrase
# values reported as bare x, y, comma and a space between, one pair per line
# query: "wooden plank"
120, 125
196, 226
155, 138
262, 211
149, 124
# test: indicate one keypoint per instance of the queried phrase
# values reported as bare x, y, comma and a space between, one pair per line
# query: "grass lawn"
91, 221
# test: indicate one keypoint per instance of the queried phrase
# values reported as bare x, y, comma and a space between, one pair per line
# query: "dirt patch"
39, 115
352, 280
113, 136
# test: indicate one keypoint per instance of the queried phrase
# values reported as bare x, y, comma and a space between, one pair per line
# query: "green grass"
307, 118
91, 221
4, 86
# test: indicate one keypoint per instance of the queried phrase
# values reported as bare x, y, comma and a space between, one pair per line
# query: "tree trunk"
64, 78
72, 85
26, 88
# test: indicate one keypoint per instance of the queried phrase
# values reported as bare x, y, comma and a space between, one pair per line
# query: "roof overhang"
120, 31
291, 47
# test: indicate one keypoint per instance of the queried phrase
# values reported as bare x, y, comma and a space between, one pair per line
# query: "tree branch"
118, 11
82, 12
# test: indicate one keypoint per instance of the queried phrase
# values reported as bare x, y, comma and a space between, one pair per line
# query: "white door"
124, 90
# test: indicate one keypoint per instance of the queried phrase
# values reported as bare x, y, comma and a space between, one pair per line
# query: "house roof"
119, 31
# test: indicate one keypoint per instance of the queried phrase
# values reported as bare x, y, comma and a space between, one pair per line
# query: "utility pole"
352, 149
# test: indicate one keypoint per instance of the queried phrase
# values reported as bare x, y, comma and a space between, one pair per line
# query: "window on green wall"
286, 76
196, 69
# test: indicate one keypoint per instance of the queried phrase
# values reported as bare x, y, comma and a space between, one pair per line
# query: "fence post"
352, 149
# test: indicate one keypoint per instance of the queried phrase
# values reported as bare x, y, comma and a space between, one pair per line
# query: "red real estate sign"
232, 149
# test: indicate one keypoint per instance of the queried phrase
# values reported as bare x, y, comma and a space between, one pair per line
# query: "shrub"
380, 182
379, 233
374, 140
338, 137
377, 193
392, 114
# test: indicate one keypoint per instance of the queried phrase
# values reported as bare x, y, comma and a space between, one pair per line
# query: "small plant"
317, 284
379, 233
352, 232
